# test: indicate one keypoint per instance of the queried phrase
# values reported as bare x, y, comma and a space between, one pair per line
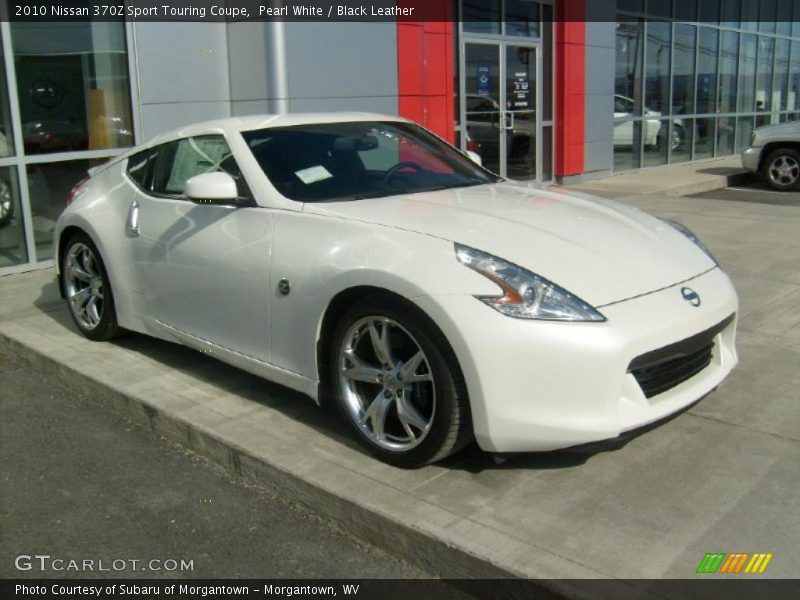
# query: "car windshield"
357, 160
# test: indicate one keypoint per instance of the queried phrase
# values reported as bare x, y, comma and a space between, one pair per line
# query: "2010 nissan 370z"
361, 257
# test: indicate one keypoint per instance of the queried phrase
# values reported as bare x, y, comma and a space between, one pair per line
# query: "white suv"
774, 153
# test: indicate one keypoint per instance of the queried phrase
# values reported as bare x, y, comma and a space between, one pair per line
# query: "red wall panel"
570, 78
425, 64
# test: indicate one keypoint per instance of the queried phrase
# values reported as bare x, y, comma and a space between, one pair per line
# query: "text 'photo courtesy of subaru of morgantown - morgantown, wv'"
359, 258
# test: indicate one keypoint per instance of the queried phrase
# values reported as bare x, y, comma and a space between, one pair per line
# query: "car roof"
248, 123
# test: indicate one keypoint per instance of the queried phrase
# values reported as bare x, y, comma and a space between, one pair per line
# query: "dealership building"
562, 91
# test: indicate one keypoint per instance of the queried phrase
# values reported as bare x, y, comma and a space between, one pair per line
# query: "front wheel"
781, 169
397, 382
87, 290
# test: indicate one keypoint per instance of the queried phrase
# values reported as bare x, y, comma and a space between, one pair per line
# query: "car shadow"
325, 419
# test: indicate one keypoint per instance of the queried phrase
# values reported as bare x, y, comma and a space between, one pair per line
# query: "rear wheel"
87, 290
781, 169
396, 381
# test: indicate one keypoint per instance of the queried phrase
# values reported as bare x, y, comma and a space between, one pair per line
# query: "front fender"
323, 256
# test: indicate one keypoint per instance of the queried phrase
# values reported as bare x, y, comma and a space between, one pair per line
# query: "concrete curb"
421, 548
711, 184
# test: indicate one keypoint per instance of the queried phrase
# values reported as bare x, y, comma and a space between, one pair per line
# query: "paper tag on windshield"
313, 174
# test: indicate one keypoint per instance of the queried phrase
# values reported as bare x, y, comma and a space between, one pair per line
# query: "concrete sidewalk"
723, 477
670, 180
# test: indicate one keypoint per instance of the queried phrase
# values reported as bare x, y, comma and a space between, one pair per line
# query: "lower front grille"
663, 369
663, 376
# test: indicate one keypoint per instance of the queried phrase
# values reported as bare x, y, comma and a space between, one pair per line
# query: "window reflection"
687, 90
13, 250
48, 186
683, 72
628, 75
72, 85
707, 71
659, 35
481, 16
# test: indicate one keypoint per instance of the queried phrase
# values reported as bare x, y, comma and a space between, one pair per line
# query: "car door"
203, 269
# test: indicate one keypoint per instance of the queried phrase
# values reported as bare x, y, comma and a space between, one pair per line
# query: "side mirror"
212, 188
475, 157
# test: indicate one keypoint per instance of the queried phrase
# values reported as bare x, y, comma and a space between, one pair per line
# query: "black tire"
781, 169
450, 427
106, 327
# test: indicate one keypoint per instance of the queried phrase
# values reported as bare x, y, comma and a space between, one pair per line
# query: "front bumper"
751, 158
539, 385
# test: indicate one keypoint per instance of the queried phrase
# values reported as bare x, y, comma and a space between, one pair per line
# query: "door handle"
132, 223
508, 120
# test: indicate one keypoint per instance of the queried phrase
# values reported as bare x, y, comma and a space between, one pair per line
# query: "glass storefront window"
48, 186
731, 11
781, 79
704, 81
72, 85
745, 100
704, 138
768, 15
6, 133
522, 18
481, 16
726, 135
766, 58
657, 66
628, 77
707, 71
657, 139
784, 25
728, 71
683, 76
709, 11
744, 126
681, 140
686, 10
793, 94
660, 8
13, 250
631, 5
627, 142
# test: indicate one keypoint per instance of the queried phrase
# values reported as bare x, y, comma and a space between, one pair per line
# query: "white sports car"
360, 257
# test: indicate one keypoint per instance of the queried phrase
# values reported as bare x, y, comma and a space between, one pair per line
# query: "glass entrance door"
499, 106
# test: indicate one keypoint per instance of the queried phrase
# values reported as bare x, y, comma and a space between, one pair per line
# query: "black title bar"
709, 11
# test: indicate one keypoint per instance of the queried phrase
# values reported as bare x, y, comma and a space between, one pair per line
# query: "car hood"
790, 129
602, 251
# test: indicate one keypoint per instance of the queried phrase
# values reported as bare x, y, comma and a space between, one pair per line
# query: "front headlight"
690, 234
525, 294
752, 139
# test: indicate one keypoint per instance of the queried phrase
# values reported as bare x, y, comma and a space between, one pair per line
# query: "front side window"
165, 169
347, 161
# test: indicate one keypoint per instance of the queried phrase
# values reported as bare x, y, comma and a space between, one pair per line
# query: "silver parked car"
774, 153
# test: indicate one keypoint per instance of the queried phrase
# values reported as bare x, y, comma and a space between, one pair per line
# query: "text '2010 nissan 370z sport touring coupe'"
360, 257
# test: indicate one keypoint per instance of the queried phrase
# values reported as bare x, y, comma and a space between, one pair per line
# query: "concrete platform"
723, 477
670, 180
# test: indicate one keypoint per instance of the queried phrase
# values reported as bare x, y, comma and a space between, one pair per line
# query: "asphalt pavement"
81, 484
753, 191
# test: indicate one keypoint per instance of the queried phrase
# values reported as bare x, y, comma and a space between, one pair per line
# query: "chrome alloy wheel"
784, 170
83, 283
386, 383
